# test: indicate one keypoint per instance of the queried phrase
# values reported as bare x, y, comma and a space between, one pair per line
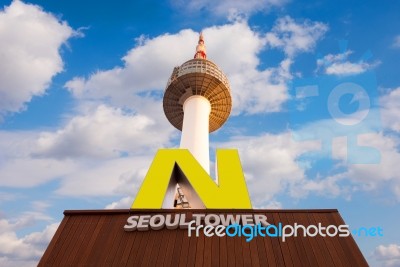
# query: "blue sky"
315, 89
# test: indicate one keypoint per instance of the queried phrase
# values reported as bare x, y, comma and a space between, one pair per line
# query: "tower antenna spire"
201, 48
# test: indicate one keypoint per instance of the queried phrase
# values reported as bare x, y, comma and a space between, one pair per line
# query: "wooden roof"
97, 238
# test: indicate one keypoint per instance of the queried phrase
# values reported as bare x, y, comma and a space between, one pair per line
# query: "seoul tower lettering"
197, 101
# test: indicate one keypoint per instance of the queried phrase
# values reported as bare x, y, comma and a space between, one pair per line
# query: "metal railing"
198, 66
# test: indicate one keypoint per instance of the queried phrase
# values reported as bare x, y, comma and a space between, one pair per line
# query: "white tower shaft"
195, 129
197, 101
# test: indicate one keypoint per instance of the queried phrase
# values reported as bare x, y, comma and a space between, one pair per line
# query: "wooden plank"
48, 256
69, 239
192, 250
159, 249
137, 244
237, 242
320, 248
281, 249
314, 258
76, 246
230, 246
114, 226
334, 240
349, 244
302, 245
99, 250
91, 224
85, 259
261, 250
97, 238
330, 259
207, 250
139, 261
272, 248
292, 242
117, 254
152, 239
166, 211
116, 241
215, 250
127, 250
184, 255
178, 247
223, 251
200, 250
169, 248
254, 252
246, 252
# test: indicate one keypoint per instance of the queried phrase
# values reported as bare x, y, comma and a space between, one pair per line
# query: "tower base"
97, 238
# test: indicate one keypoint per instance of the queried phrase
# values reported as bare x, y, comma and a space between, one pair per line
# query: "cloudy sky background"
81, 85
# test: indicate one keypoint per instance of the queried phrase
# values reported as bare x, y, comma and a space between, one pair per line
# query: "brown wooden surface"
97, 238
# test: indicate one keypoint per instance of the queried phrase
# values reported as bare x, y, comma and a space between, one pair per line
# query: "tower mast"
197, 101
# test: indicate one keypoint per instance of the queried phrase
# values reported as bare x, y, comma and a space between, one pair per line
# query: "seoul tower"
197, 101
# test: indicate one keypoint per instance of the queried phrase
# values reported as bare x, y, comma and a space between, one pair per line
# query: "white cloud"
270, 160
382, 175
234, 48
347, 68
40, 205
260, 91
368, 157
374, 176
271, 164
24, 251
323, 186
227, 8
123, 203
30, 40
101, 147
334, 133
388, 255
29, 172
390, 110
79, 176
6, 196
293, 37
7, 262
111, 177
272, 204
339, 65
139, 84
105, 132
108, 150
396, 43
147, 67
17, 166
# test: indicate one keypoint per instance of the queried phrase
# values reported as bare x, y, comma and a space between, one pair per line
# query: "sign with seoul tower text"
230, 192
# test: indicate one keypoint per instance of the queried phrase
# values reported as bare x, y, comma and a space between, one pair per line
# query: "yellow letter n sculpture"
172, 166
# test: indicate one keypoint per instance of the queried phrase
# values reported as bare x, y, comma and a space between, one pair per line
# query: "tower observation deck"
198, 77
197, 101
